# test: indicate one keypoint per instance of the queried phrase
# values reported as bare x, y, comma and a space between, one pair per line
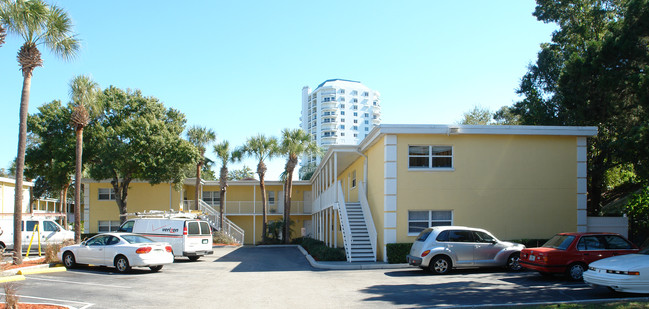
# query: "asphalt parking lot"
249, 277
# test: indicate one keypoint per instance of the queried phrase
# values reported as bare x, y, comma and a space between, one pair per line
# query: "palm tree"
295, 143
200, 137
261, 148
83, 91
222, 150
38, 24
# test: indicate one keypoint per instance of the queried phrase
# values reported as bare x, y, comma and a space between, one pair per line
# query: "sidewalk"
340, 265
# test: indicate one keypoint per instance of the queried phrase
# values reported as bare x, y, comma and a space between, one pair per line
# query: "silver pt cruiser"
442, 248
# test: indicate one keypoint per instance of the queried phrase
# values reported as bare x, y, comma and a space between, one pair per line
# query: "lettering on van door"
166, 229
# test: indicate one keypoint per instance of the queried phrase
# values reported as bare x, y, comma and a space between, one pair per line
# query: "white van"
188, 237
50, 233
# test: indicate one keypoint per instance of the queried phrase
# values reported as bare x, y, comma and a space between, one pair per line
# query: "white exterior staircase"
360, 247
212, 216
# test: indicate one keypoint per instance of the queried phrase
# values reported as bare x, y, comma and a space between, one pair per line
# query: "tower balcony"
330, 125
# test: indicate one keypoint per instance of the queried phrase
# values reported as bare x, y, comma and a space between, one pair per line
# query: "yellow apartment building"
515, 181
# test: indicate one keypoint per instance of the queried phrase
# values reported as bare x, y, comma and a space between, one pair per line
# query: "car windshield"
560, 242
136, 239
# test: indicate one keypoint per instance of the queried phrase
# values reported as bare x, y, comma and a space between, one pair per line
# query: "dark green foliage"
319, 251
638, 212
397, 252
594, 73
530, 243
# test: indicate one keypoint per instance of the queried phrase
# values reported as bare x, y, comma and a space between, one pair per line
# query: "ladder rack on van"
162, 214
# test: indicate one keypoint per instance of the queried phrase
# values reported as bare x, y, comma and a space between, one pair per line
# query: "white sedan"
626, 273
122, 250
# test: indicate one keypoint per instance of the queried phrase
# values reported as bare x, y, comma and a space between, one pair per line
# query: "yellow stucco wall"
141, 197
514, 186
375, 188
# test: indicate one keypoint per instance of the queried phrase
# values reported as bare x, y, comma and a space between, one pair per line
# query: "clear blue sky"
238, 67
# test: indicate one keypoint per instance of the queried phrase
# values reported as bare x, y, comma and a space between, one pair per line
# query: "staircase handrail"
367, 215
344, 221
229, 227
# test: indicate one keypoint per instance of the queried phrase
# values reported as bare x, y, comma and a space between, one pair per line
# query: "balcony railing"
255, 208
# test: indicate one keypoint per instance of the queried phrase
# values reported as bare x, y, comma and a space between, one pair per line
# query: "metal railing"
344, 220
213, 216
255, 207
367, 215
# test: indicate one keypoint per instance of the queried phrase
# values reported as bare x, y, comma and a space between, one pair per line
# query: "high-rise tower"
339, 111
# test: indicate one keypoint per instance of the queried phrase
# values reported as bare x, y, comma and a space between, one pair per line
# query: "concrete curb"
12, 278
339, 265
41, 270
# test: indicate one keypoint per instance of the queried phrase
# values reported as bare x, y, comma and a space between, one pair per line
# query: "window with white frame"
430, 157
106, 194
212, 198
107, 226
271, 197
354, 92
418, 220
342, 113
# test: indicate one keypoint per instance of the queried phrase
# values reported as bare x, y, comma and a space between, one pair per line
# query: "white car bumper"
620, 283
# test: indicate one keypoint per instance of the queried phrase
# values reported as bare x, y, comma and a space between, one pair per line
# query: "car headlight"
620, 272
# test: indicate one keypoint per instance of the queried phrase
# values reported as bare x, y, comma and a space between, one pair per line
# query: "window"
342, 133
355, 135
107, 226
342, 113
355, 127
354, 101
205, 228
376, 103
193, 228
366, 115
271, 194
355, 114
367, 122
342, 91
127, 227
418, 220
367, 129
366, 94
342, 127
460, 236
342, 119
342, 99
354, 92
590, 243
106, 194
353, 179
212, 198
616, 242
50, 226
355, 120
430, 157
483, 237
31, 225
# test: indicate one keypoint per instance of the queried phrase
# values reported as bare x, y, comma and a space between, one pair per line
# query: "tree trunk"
20, 167
223, 182
77, 186
198, 183
64, 196
290, 167
261, 170
121, 196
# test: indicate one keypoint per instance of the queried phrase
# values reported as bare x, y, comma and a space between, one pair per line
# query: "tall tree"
37, 23
136, 137
241, 174
295, 143
83, 91
261, 148
222, 150
49, 156
592, 73
200, 137
3, 29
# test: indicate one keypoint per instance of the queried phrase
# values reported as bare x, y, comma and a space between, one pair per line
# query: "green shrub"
319, 251
638, 212
530, 243
397, 252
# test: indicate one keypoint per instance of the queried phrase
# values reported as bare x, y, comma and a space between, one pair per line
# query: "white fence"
618, 225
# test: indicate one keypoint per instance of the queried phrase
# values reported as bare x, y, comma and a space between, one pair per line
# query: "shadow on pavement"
256, 259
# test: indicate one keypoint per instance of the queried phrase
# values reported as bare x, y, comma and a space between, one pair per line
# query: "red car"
570, 253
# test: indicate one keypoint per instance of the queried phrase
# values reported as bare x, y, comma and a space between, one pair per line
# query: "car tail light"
168, 248
143, 250
185, 230
425, 253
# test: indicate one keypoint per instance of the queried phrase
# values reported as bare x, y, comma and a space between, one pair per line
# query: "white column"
582, 187
390, 192
335, 226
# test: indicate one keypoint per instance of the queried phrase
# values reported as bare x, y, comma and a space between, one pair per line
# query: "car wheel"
575, 271
194, 258
155, 268
68, 260
121, 263
513, 262
440, 265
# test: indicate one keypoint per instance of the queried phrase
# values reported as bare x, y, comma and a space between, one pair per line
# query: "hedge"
397, 252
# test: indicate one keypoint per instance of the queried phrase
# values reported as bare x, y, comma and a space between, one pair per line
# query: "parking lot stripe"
77, 282
54, 300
